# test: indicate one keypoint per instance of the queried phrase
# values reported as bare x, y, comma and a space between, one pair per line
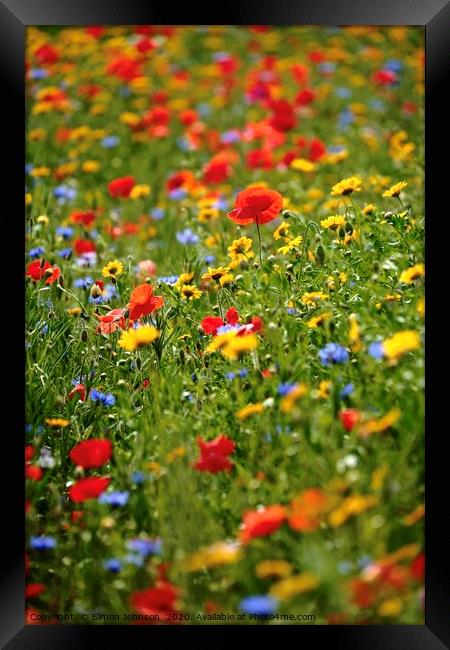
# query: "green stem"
259, 241
310, 223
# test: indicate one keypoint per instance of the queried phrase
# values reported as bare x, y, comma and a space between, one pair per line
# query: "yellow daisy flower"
112, 270
394, 190
347, 186
139, 337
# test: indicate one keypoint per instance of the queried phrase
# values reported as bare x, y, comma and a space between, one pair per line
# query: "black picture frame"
15, 15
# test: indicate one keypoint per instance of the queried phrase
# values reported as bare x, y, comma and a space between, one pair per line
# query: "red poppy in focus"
159, 600
34, 589
91, 453
214, 455
79, 389
259, 523
143, 302
111, 321
83, 246
88, 488
121, 187
256, 205
210, 324
38, 270
349, 418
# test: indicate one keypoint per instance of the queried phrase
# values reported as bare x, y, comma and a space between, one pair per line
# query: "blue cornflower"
38, 73
243, 372
230, 137
223, 329
376, 350
145, 546
65, 253
36, 252
157, 213
291, 311
110, 141
346, 117
230, 375
343, 93
187, 236
65, 232
285, 389
134, 558
107, 399
177, 194
83, 283
209, 259
112, 565
327, 67
168, 279
394, 65
86, 259
114, 498
347, 390
259, 605
42, 543
138, 477
333, 353
64, 193
44, 329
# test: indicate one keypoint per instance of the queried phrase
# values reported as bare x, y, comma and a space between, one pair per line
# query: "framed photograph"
223, 310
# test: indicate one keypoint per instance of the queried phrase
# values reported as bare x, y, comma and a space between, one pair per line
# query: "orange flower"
256, 205
306, 510
143, 302
259, 523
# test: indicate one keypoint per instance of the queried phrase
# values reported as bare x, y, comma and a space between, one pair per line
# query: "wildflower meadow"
224, 286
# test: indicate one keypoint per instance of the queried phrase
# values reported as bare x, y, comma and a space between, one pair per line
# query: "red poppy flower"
111, 321
95, 30
40, 269
143, 302
145, 45
88, 488
283, 118
84, 217
180, 180
33, 472
34, 589
384, 77
259, 159
305, 97
47, 54
121, 187
158, 600
216, 172
253, 327
79, 389
124, 68
83, 246
417, 567
256, 205
210, 324
259, 523
29, 452
232, 317
159, 115
349, 418
188, 117
91, 453
214, 455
